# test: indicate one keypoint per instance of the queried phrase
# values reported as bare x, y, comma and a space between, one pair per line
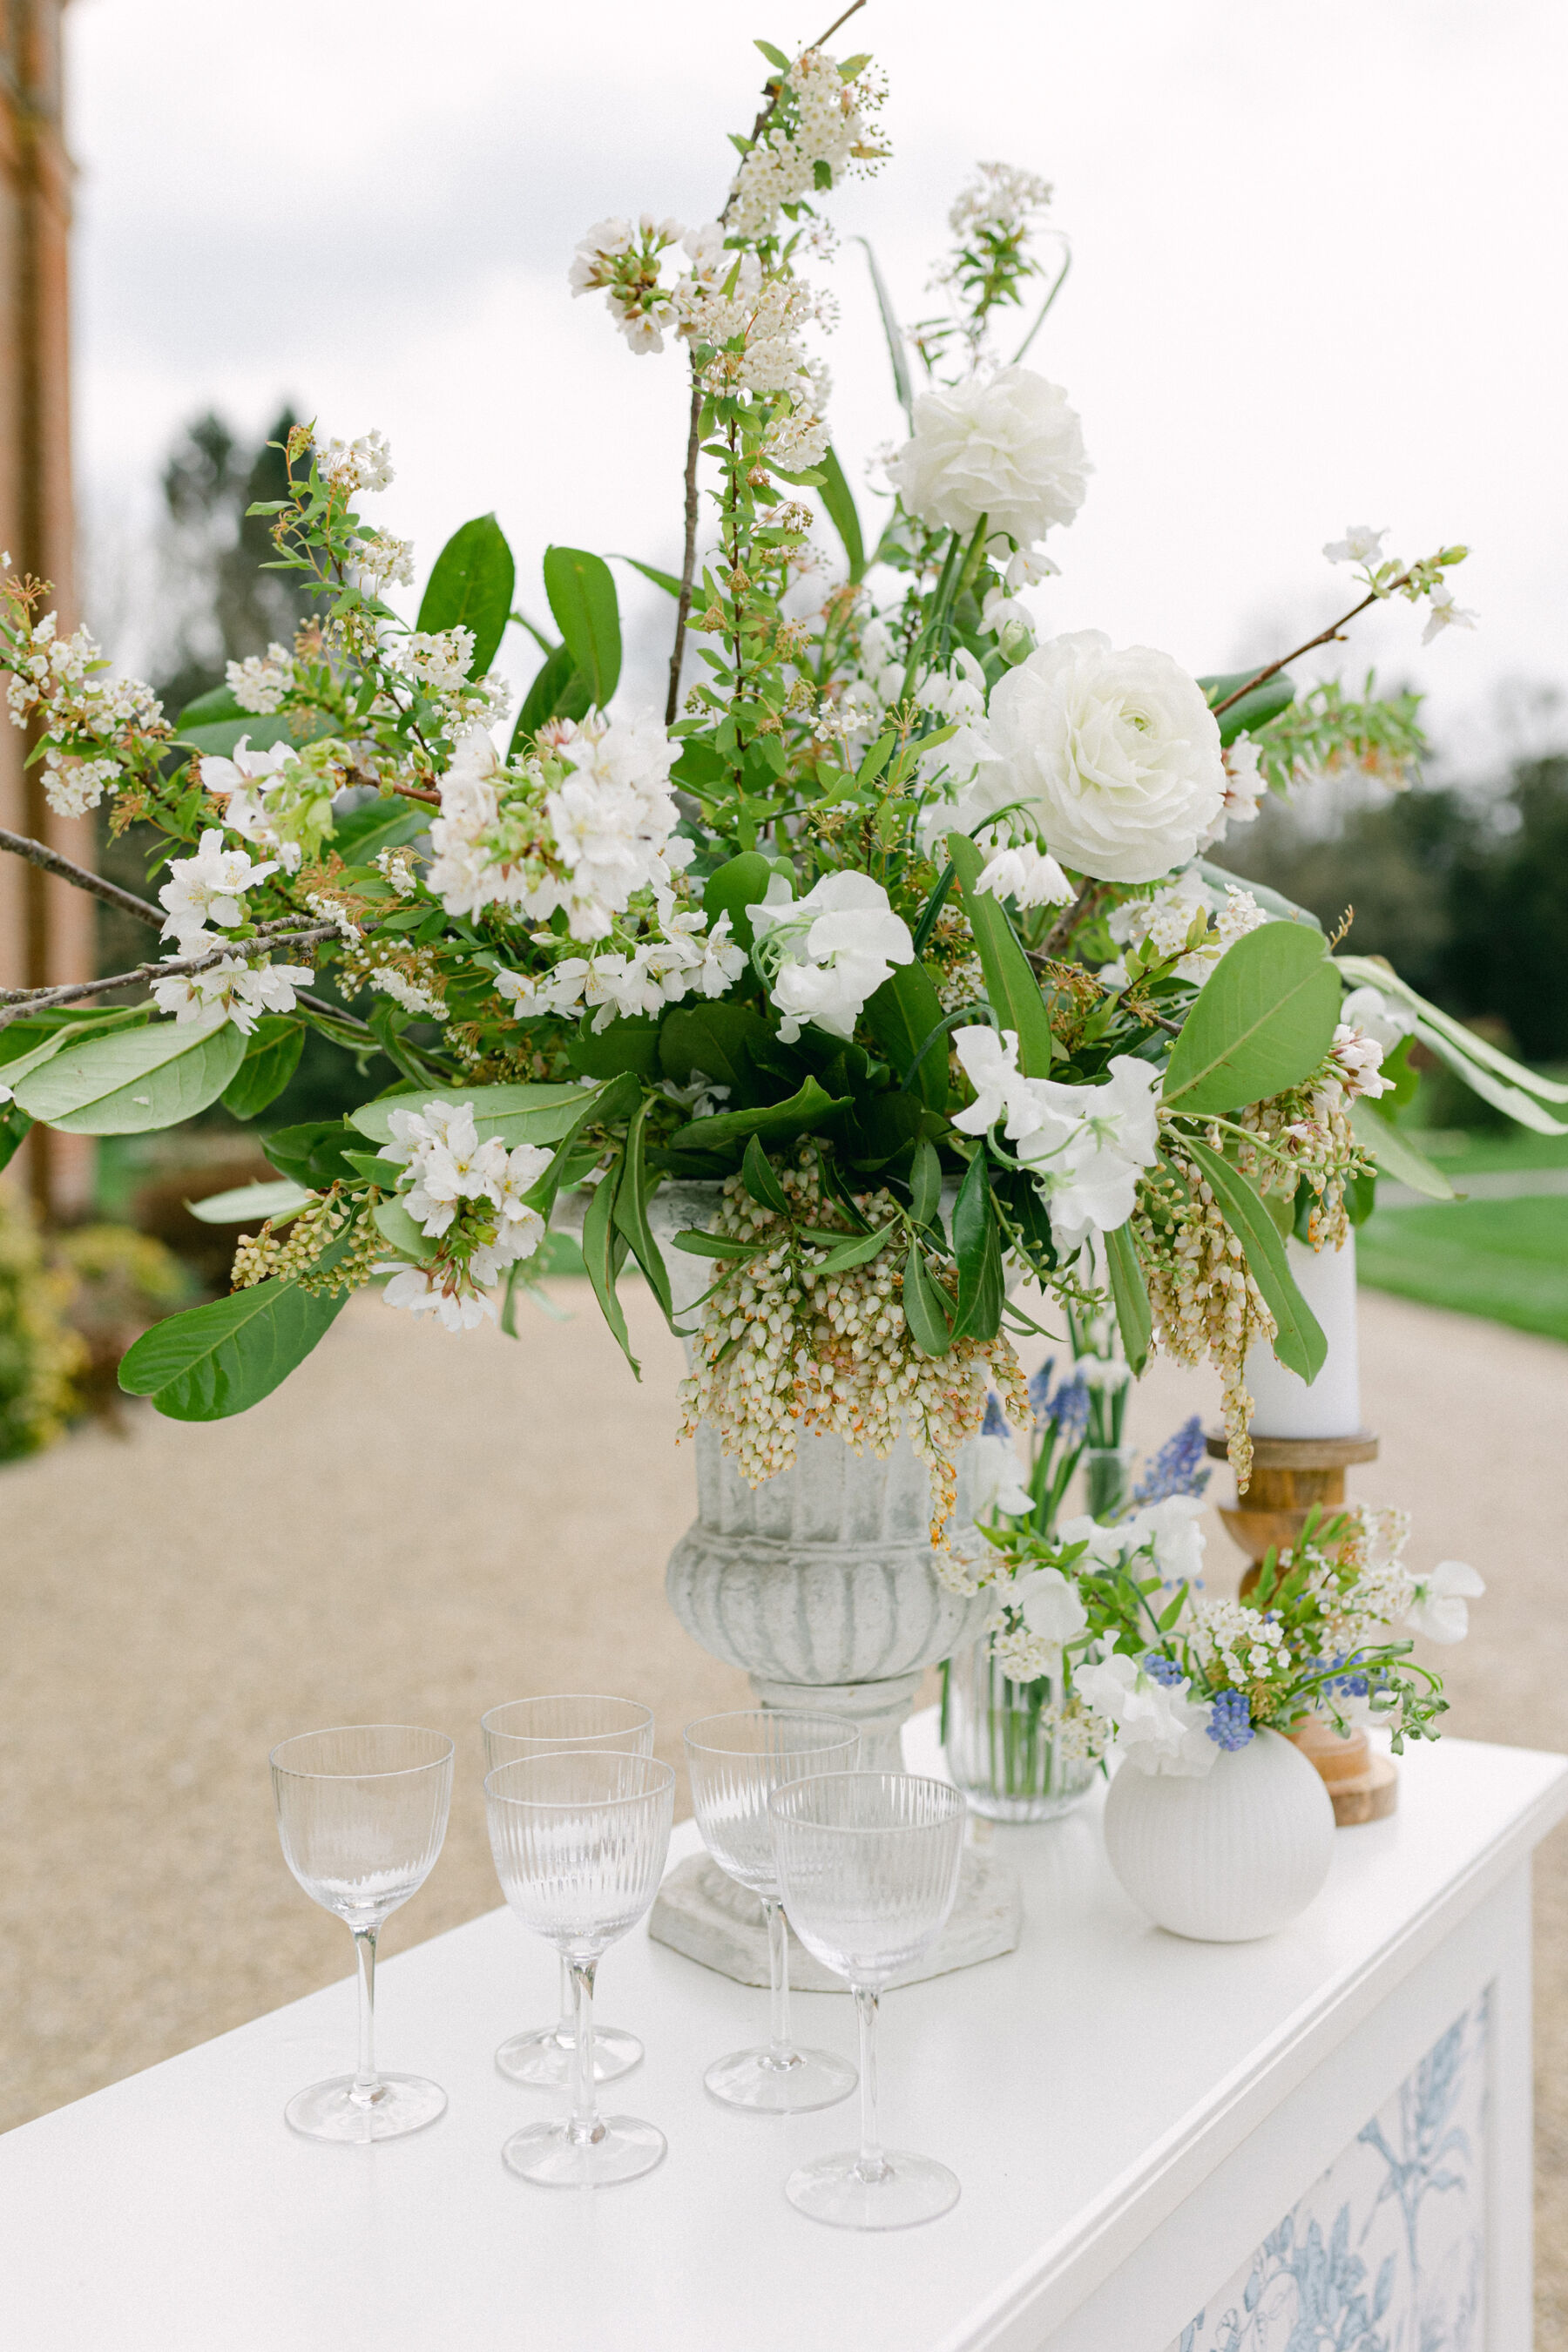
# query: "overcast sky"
1318, 277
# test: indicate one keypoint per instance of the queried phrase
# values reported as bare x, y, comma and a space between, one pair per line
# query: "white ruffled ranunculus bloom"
1006, 446
1439, 1610
828, 952
1157, 1726
1115, 753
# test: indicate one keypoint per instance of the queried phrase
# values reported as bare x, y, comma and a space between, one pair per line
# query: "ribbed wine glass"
545, 1727
737, 1760
362, 1811
869, 1864
579, 1840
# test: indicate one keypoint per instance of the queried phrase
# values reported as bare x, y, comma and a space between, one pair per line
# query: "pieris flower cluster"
470, 1196
1086, 1147
587, 843
677, 956
824, 954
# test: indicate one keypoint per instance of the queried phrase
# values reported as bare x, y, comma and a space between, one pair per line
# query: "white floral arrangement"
899, 923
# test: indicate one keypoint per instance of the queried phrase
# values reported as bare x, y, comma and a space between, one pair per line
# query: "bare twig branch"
1324, 637
772, 92
38, 853
20, 1001
1089, 894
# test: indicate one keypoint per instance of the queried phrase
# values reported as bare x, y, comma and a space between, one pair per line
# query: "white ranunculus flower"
1440, 1611
1157, 1726
828, 952
1050, 1605
1006, 446
1116, 752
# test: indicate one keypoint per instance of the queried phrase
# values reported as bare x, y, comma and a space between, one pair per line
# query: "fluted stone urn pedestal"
822, 1584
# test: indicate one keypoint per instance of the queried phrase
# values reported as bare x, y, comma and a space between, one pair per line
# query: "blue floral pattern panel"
1385, 2252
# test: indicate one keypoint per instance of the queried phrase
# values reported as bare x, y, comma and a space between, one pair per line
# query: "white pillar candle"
1285, 1405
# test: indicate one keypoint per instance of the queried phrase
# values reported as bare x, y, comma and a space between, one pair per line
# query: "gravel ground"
416, 1526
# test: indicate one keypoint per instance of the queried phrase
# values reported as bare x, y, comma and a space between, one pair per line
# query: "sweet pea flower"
1050, 1605
1157, 1726
1439, 1610
828, 952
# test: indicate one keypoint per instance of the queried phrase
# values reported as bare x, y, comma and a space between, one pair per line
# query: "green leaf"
856, 1252
518, 1114
396, 1226
1299, 1343
272, 1057
582, 592
629, 1044
632, 1198
140, 1079
214, 1360
896, 352
13, 1126
838, 499
221, 739
558, 691
733, 889
665, 580
925, 1307
360, 837
1255, 709
601, 1256
925, 1181
978, 1250
607, 1104
1010, 981
471, 587
717, 1040
1396, 1155
1263, 1021
1129, 1296
803, 1114
311, 1154
904, 1016
211, 708
283, 1199
774, 56
1369, 972
698, 1244
760, 1183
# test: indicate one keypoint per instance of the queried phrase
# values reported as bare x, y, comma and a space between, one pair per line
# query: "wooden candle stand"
1291, 1478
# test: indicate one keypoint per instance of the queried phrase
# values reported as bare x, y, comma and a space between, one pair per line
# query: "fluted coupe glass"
737, 1762
362, 1811
545, 1727
579, 1840
869, 1864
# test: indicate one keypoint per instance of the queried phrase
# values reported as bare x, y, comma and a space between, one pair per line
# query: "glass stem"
367, 2082
585, 2126
871, 2165
565, 2030
779, 2050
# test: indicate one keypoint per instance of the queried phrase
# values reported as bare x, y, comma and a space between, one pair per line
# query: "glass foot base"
911, 2189
557, 2158
544, 2056
757, 2079
404, 2103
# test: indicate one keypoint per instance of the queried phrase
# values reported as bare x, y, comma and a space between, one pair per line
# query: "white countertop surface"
176, 2212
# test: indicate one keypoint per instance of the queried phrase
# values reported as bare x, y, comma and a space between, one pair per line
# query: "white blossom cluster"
625, 262
829, 127
62, 683
245, 991
348, 467
677, 956
385, 561
1188, 920
1159, 1726
209, 887
506, 837
1363, 545
461, 1190
260, 681
439, 658
824, 954
1001, 197
241, 782
1085, 1147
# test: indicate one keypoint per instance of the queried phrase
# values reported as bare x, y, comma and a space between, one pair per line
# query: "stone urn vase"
822, 1584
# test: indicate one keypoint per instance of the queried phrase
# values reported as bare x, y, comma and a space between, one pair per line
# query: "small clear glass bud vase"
1001, 1741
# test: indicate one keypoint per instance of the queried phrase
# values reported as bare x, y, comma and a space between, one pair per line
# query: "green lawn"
1506, 1259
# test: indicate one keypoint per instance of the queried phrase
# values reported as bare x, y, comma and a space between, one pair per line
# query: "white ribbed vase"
1238, 1854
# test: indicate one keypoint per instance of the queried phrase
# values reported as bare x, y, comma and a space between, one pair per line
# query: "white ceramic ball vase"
1238, 1853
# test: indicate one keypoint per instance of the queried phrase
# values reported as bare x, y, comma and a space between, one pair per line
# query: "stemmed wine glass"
545, 1727
579, 1840
737, 1760
362, 1811
869, 1862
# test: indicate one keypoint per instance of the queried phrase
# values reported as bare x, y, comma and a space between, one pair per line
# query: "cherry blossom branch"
15, 1002
1324, 637
774, 91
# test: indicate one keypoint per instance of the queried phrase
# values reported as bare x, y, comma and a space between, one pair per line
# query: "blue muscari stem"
1177, 1468
1230, 1720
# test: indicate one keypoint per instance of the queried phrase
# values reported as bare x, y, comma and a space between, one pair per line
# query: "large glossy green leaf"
272, 1057
136, 1080
733, 888
14, 1127
582, 592
1263, 1021
615, 1101
717, 1040
247, 1203
978, 1249
396, 1226
559, 690
1129, 1297
1255, 709
518, 1114
313, 1153
926, 1308
839, 501
1010, 981
359, 837
803, 1114
1298, 1342
471, 586
1396, 1155
904, 1015
629, 1043
761, 1181
222, 1359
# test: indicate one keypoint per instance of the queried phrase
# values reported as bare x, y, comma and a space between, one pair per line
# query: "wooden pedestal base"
1291, 1478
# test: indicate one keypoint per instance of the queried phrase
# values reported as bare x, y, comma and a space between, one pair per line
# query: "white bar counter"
1132, 2117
